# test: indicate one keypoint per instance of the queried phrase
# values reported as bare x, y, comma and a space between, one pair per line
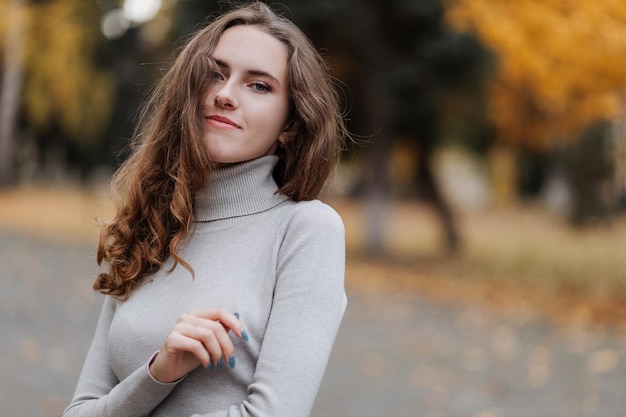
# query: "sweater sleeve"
99, 392
308, 306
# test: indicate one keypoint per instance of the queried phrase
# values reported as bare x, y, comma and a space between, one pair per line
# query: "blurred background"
483, 193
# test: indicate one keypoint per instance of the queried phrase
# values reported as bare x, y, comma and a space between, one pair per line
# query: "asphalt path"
397, 354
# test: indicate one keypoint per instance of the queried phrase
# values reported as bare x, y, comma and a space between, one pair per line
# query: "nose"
225, 97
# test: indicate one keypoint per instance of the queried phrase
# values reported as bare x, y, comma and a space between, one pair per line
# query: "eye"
217, 75
260, 87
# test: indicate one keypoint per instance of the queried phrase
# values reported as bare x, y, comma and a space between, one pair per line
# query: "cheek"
271, 117
208, 95
207, 99
282, 115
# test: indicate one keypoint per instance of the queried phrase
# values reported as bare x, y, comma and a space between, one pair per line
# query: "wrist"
154, 373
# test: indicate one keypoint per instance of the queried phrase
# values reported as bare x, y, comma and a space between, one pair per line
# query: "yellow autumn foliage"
562, 63
63, 86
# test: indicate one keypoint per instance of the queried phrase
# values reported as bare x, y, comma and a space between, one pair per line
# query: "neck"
236, 190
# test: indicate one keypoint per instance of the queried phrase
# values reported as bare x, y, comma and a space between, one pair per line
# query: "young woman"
225, 276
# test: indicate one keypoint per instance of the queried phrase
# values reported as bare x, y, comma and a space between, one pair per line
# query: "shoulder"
314, 214
312, 236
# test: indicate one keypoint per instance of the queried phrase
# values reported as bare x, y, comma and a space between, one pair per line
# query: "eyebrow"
224, 64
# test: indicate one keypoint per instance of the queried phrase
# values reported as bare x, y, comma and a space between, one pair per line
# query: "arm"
99, 393
309, 302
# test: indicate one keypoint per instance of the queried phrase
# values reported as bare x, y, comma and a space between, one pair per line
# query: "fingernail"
211, 366
236, 315
220, 364
231, 361
244, 335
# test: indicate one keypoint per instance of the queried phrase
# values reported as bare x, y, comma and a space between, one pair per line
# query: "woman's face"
246, 107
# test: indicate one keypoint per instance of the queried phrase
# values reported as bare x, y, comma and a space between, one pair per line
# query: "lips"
221, 122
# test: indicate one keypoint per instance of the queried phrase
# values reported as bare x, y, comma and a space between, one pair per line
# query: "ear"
283, 138
288, 133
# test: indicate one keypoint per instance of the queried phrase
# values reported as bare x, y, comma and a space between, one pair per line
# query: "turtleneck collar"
238, 190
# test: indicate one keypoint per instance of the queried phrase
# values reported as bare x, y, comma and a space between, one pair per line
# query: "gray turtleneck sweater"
278, 263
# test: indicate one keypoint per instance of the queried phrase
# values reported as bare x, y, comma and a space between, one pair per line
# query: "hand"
199, 337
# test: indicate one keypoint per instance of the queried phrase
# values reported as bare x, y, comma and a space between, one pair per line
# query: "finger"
229, 320
207, 338
214, 336
242, 332
180, 341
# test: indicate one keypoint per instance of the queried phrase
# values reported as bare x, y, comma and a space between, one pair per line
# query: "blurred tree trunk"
375, 106
378, 161
11, 87
432, 193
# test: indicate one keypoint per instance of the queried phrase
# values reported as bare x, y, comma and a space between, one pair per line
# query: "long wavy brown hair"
154, 187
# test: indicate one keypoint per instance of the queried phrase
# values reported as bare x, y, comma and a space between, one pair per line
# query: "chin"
223, 160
